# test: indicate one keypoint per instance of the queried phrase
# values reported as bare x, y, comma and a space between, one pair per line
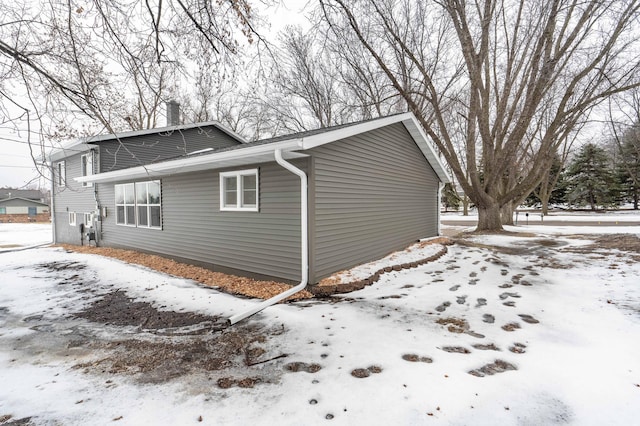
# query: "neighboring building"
29, 194
16, 209
373, 187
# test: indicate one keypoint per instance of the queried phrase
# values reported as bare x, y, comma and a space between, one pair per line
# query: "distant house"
200, 194
29, 194
16, 209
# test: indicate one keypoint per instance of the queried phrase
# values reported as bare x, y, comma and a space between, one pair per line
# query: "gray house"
307, 204
22, 206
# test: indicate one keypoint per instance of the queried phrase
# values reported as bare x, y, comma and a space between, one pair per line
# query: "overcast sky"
16, 165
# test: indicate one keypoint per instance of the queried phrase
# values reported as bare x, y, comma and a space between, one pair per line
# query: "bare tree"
501, 66
107, 66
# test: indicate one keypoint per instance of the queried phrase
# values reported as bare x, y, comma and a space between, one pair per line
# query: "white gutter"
304, 249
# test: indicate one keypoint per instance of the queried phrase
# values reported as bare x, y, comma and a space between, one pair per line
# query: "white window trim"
238, 175
72, 218
147, 205
125, 205
61, 174
88, 170
135, 207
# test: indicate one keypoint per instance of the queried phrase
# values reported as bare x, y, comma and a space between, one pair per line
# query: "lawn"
535, 327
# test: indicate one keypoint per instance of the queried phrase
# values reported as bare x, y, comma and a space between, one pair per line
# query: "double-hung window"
139, 204
148, 204
86, 163
239, 190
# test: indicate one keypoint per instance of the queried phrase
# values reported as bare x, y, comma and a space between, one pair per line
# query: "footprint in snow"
486, 347
481, 302
443, 306
454, 288
488, 318
528, 319
461, 299
509, 303
456, 349
518, 348
507, 294
473, 274
498, 366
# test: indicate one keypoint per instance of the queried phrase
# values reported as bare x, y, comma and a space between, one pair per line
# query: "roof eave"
219, 160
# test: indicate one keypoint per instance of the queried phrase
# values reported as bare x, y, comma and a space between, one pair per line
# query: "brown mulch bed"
228, 283
247, 286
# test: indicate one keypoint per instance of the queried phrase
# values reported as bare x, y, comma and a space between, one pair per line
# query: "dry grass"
228, 283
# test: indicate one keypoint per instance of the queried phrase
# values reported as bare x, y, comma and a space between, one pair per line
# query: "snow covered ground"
503, 329
23, 235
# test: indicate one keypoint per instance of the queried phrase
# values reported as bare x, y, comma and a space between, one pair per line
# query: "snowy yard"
534, 329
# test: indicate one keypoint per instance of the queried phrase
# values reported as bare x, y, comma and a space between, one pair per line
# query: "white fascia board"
415, 130
320, 139
232, 158
409, 121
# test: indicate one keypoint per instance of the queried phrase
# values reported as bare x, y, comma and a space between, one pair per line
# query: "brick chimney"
173, 113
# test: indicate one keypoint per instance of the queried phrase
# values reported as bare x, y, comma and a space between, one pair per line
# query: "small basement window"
72, 218
239, 190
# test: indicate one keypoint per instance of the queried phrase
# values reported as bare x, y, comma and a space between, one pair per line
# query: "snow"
580, 365
413, 253
23, 235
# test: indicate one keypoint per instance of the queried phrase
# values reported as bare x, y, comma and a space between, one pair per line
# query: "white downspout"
304, 249
52, 208
440, 188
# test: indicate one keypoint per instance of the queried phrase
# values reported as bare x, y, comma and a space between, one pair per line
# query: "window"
86, 164
239, 190
61, 174
3, 210
72, 218
139, 204
88, 219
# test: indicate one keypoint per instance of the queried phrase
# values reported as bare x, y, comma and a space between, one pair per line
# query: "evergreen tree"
590, 180
628, 170
450, 198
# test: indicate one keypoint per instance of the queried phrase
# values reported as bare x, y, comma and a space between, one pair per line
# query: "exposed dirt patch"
159, 359
171, 344
622, 242
224, 282
116, 308
518, 348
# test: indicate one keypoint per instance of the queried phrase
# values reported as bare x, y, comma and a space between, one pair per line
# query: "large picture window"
239, 190
139, 204
86, 163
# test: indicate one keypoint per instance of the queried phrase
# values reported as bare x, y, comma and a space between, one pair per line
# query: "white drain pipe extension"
440, 188
304, 249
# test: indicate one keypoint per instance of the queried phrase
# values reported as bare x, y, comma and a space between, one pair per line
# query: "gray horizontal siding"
374, 193
265, 242
73, 197
144, 149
